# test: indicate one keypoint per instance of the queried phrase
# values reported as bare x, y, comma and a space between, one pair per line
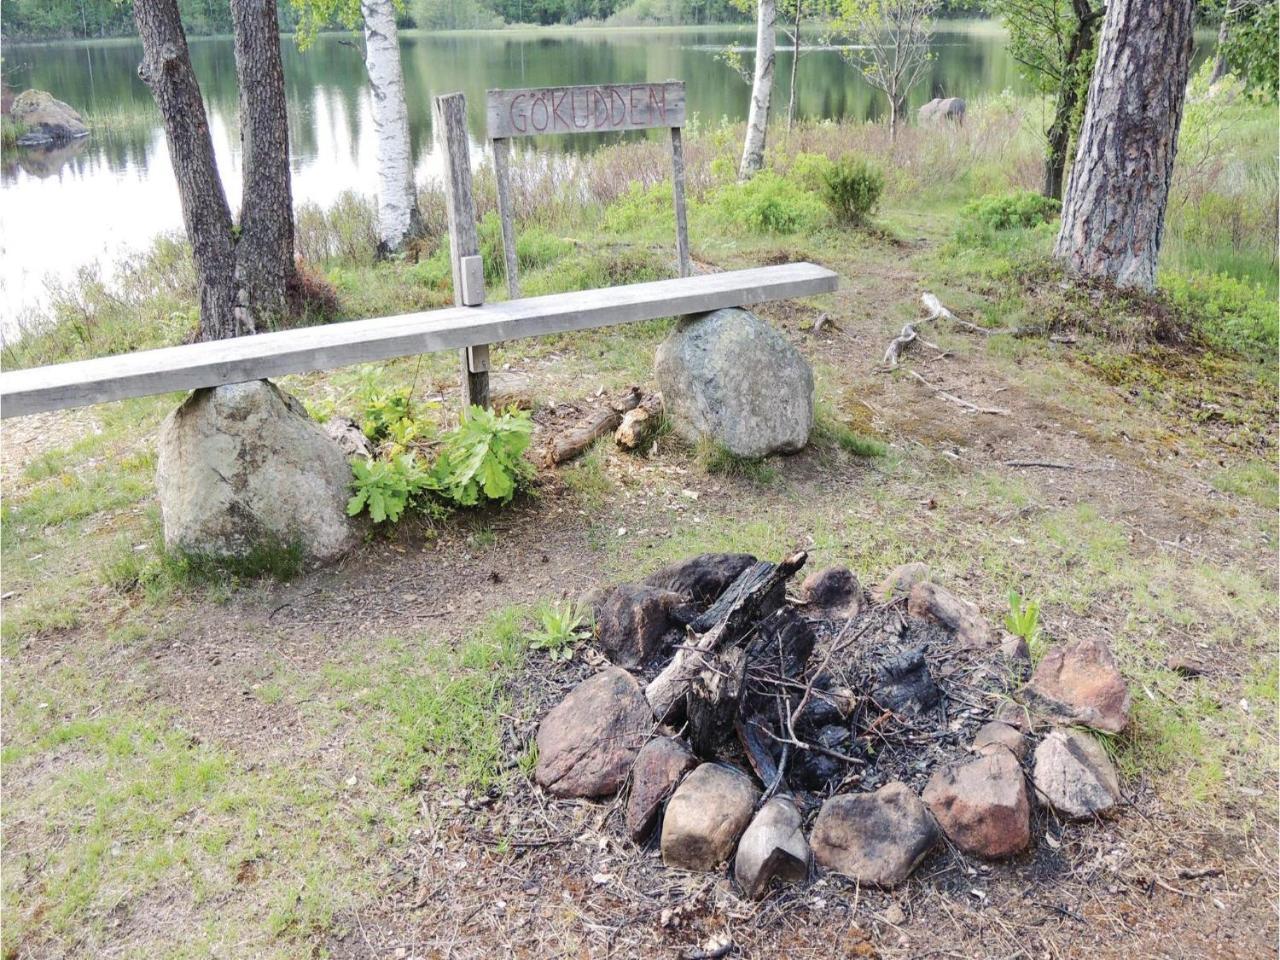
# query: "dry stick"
957, 400
936, 310
1048, 464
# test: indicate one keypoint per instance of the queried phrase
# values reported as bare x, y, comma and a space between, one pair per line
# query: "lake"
98, 198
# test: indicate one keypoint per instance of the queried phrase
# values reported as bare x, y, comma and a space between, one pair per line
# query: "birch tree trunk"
1113, 216
795, 62
398, 218
265, 271
761, 90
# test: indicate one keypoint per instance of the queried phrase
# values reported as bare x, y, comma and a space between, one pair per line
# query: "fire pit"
830, 726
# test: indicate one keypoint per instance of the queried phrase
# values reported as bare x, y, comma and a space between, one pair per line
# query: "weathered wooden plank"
677, 193
213, 363
450, 116
502, 174
601, 108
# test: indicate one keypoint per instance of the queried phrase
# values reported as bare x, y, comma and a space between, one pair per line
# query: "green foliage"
1252, 46
381, 410
769, 203
535, 248
1025, 208
1235, 316
1023, 620
810, 170
851, 188
720, 461
641, 209
559, 630
483, 457
386, 487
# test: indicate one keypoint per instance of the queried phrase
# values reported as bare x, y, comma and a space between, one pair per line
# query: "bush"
1234, 316
768, 203
810, 170
483, 457
852, 189
1024, 209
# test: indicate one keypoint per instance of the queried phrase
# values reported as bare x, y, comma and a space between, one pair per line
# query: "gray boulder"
773, 847
731, 378
243, 465
45, 119
944, 108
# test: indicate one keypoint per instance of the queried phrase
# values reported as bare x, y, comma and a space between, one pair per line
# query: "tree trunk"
897, 108
1113, 217
398, 218
265, 272
1059, 134
761, 90
795, 62
1219, 61
166, 70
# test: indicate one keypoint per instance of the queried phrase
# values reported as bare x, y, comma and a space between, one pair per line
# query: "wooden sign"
606, 108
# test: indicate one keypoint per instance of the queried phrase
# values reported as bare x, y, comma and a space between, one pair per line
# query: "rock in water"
657, 772
942, 108
588, 742
731, 378
1074, 775
705, 817
633, 621
243, 465
702, 578
45, 119
876, 838
1079, 683
773, 846
982, 805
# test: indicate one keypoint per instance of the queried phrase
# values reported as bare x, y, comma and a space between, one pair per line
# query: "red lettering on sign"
658, 102
586, 113
562, 120
533, 114
517, 119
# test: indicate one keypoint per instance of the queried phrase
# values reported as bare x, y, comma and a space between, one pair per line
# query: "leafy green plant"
1023, 208
386, 487
1023, 620
559, 630
768, 203
1234, 315
483, 457
852, 189
810, 170
382, 409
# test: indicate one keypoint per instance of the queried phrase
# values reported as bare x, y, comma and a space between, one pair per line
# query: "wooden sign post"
607, 108
450, 116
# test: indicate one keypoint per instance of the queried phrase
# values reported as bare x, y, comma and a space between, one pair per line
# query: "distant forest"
87, 19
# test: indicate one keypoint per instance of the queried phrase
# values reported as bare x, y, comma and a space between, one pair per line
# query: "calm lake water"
98, 198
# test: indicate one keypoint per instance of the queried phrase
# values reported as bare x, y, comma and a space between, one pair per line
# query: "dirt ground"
1095, 495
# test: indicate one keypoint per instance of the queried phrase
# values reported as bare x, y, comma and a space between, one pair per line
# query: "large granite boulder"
45, 119
589, 741
731, 378
942, 108
242, 466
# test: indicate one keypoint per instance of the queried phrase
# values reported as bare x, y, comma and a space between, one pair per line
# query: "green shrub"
852, 189
641, 209
1234, 316
1024, 209
381, 410
386, 487
768, 203
535, 247
810, 170
483, 457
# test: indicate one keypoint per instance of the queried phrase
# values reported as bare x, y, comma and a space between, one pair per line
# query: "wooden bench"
211, 364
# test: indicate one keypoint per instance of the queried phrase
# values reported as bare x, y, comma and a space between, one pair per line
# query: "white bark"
761, 90
397, 198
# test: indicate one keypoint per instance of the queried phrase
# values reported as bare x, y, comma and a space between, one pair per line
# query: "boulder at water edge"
730, 378
45, 119
243, 466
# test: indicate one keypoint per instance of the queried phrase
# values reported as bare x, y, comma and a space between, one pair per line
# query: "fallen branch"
582, 435
1047, 464
972, 407
639, 425
937, 310
908, 336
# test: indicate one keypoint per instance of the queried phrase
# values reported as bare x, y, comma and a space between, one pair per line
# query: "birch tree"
889, 46
245, 271
1113, 215
761, 90
398, 217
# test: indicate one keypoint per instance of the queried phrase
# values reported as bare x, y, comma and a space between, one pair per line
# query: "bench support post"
502, 173
450, 116
677, 194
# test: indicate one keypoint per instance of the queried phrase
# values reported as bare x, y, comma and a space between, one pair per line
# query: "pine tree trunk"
265, 271
166, 70
1059, 134
1113, 217
761, 91
398, 218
